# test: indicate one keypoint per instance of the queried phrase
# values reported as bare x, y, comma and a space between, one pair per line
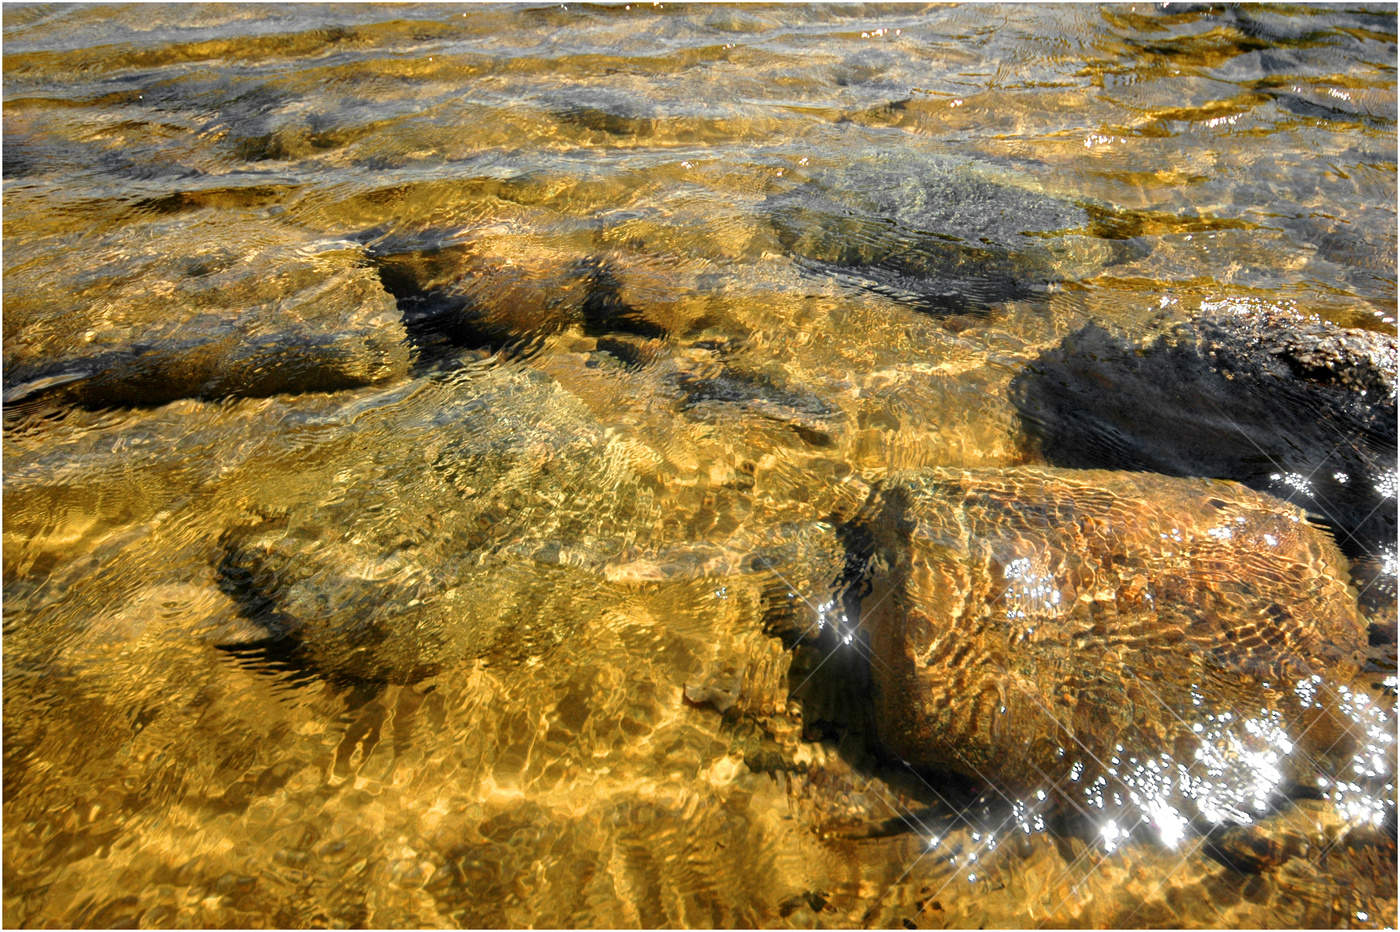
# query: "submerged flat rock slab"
1284, 403
941, 232
198, 307
1177, 649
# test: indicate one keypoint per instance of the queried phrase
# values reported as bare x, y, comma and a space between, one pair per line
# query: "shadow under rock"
870, 794
1214, 399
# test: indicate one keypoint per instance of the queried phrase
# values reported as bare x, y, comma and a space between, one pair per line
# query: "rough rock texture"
1131, 639
941, 233
1286, 404
198, 308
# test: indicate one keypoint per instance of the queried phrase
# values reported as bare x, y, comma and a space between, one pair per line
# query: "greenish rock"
497, 519
478, 531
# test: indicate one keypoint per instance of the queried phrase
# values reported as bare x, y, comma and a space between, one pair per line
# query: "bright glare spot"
1386, 484
1111, 833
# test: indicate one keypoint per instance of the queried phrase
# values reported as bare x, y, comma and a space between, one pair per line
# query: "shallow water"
426, 427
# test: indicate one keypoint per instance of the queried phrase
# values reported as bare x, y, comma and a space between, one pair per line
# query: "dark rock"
199, 308
1282, 403
940, 233
1175, 650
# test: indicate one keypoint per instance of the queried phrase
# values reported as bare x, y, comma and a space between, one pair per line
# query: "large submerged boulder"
1145, 647
488, 516
1292, 405
202, 306
939, 232
474, 527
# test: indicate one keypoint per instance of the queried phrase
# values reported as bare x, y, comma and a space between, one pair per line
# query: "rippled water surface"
440, 446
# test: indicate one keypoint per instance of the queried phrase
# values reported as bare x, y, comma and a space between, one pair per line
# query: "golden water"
577, 530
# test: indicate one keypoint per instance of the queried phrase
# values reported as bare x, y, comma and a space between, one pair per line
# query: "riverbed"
432, 433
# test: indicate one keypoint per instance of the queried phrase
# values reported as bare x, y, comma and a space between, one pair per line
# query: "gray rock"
942, 233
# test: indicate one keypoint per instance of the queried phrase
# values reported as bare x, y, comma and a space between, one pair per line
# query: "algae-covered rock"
1283, 403
197, 307
1174, 649
945, 234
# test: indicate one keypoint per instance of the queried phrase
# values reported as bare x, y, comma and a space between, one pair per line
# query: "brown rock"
1170, 647
499, 285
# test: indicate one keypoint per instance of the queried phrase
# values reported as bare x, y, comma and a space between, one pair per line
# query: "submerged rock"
485, 516
1282, 403
493, 288
761, 393
475, 527
944, 234
1165, 649
201, 307
602, 110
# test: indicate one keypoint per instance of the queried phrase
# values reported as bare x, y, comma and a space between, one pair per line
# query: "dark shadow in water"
281, 653
365, 705
830, 680
1102, 401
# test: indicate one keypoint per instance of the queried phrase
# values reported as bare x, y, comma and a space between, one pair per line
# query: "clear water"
466, 338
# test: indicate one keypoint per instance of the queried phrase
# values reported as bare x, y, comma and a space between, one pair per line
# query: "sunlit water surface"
490, 353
